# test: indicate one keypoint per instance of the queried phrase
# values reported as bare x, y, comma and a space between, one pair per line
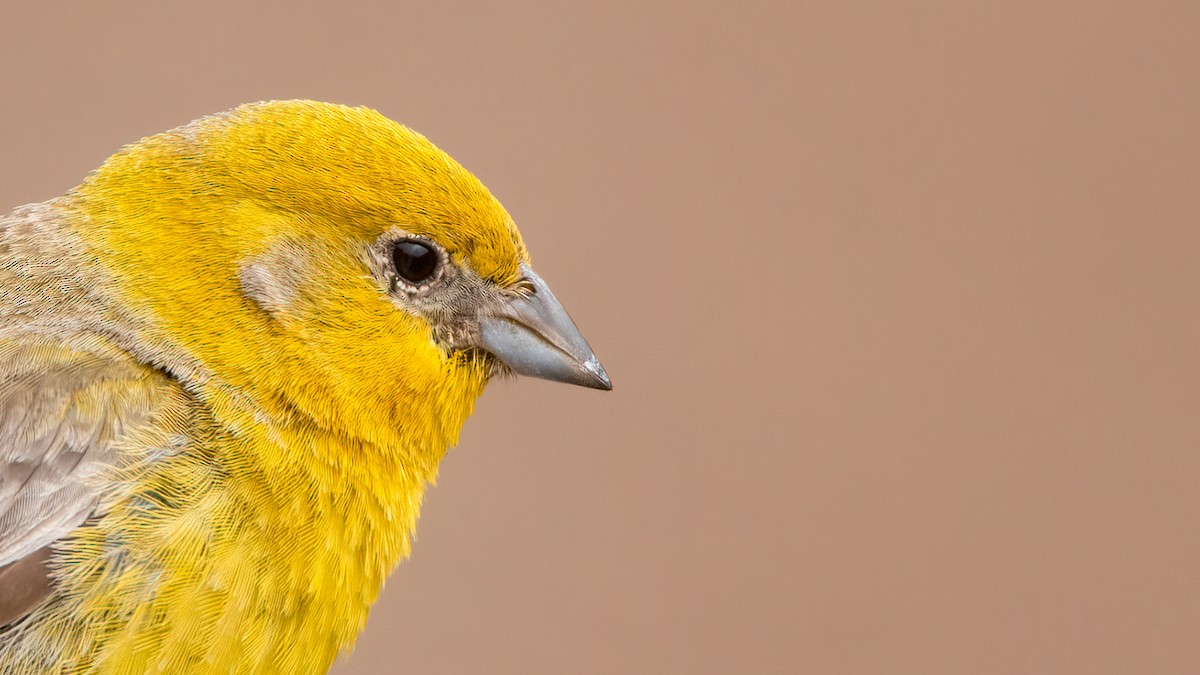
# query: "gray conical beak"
533, 335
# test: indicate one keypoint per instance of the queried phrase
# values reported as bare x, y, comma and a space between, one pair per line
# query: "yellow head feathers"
339, 171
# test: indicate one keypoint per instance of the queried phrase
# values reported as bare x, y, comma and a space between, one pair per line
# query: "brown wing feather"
23, 584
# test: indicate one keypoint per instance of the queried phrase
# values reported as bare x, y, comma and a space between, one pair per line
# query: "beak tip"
599, 377
603, 382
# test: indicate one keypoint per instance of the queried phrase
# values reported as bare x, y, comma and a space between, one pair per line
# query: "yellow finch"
230, 362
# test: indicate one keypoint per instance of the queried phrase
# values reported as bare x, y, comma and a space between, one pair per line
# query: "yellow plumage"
287, 428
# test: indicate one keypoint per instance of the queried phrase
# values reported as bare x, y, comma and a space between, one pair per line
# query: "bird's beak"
533, 335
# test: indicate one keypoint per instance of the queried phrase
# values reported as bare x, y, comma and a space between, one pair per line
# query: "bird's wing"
66, 414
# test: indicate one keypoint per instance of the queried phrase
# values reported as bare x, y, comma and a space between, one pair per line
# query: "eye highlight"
415, 260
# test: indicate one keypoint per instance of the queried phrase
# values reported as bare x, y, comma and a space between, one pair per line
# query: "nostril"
525, 286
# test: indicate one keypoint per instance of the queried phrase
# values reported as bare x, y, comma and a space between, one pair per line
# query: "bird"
231, 360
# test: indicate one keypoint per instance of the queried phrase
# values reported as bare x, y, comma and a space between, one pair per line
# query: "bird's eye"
415, 260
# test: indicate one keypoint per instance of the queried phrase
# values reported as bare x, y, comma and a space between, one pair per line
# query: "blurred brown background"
902, 307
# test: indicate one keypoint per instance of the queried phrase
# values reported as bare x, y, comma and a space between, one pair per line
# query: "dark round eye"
415, 261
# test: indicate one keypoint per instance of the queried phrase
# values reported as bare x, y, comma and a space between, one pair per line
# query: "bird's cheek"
275, 279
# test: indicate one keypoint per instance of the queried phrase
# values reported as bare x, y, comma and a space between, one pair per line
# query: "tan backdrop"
902, 307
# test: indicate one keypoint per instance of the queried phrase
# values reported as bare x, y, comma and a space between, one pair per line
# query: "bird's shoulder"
73, 408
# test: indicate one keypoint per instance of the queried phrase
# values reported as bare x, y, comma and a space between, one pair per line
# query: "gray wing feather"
61, 412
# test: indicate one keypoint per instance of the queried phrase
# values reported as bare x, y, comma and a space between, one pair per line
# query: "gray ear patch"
272, 280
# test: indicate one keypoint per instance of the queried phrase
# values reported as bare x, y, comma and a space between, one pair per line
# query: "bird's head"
327, 260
